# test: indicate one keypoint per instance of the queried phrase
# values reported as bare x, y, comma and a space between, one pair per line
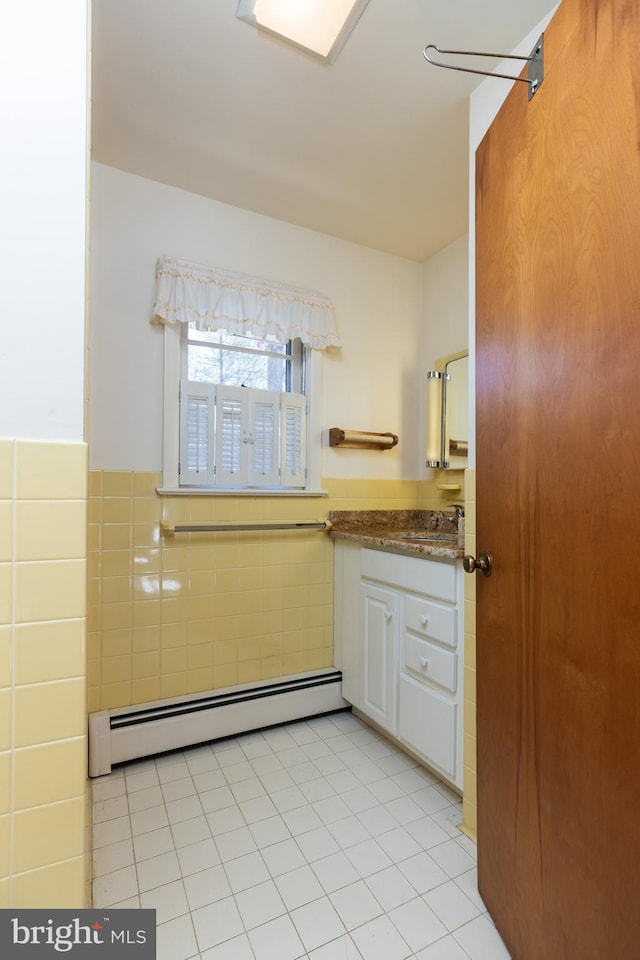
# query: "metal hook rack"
535, 70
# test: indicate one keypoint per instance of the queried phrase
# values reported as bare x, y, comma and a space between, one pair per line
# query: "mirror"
447, 412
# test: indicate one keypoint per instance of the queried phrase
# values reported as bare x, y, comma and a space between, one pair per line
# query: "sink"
417, 536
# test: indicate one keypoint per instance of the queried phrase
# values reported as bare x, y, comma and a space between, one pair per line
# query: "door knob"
483, 565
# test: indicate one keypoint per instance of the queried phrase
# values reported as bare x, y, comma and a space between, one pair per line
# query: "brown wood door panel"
558, 468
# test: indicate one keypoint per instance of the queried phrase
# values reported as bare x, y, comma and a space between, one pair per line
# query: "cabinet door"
379, 618
428, 723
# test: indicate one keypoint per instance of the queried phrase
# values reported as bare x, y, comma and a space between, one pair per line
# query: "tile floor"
318, 839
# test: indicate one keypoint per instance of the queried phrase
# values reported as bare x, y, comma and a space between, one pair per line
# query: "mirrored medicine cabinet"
447, 412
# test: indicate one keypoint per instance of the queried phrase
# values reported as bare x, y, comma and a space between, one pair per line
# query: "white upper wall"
43, 104
371, 384
445, 303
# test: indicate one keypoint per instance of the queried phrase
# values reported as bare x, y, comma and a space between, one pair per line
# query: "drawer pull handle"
424, 662
388, 614
424, 620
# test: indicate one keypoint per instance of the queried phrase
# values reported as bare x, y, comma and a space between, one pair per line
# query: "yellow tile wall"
470, 802
173, 616
43, 777
195, 612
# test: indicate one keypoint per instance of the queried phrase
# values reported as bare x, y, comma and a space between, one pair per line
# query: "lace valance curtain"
212, 299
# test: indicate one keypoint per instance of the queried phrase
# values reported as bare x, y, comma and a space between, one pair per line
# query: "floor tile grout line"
140, 893
370, 748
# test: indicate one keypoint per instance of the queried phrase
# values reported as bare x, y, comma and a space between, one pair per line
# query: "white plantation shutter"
293, 443
196, 433
232, 421
264, 435
240, 437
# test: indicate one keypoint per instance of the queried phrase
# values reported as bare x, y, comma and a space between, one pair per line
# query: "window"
242, 419
243, 411
218, 357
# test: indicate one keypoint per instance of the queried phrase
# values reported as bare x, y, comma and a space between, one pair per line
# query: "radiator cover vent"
127, 734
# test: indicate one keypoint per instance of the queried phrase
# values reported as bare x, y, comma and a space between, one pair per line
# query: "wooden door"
558, 484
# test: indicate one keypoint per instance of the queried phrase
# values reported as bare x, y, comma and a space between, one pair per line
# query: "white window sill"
229, 492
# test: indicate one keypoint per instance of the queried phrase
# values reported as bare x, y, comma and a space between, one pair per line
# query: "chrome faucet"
459, 509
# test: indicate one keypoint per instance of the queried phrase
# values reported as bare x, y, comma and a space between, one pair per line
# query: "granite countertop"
382, 529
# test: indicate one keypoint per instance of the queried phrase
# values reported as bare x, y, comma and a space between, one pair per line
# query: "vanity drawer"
436, 578
429, 662
430, 620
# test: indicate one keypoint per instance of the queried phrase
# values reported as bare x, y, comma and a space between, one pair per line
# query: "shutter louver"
265, 430
197, 424
196, 433
231, 436
231, 414
293, 440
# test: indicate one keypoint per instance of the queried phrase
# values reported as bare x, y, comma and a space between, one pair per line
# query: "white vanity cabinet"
398, 642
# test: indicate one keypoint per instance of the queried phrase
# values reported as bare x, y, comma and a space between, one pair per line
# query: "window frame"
172, 369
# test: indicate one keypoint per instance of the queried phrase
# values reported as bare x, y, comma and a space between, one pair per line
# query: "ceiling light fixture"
319, 27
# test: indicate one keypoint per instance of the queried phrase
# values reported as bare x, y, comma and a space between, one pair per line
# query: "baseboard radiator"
116, 736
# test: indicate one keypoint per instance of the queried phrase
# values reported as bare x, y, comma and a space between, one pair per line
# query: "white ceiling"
372, 149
